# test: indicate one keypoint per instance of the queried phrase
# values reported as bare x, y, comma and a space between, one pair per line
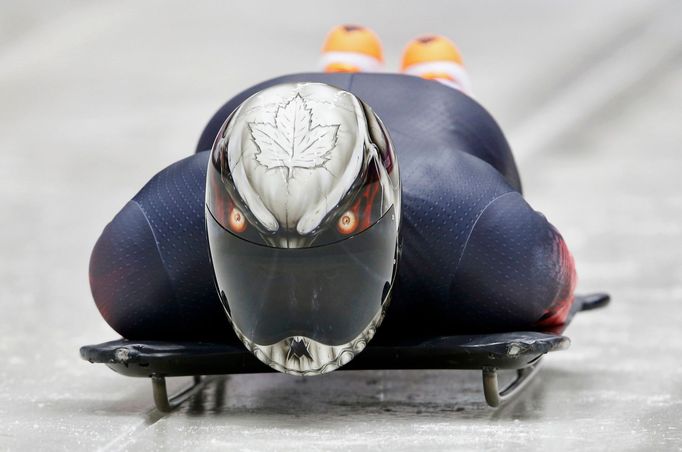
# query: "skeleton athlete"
315, 199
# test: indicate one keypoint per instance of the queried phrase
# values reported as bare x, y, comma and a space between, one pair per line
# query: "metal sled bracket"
493, 396
167, 404
491, 390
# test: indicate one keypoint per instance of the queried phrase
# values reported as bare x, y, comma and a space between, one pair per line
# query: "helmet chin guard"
299, 355
303, 217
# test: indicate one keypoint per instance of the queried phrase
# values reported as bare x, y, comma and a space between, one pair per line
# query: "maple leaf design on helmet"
291, 141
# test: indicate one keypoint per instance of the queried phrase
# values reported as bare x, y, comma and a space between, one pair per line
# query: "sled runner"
520, 351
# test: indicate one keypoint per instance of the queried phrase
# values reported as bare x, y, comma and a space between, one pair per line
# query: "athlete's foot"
435, 57
352, 48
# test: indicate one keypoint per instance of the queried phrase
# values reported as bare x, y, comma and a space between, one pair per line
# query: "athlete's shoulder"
153, 256
525, 262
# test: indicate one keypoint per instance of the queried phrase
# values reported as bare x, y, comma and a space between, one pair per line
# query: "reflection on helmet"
303, 213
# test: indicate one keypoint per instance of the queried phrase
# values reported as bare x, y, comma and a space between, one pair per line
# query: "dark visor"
328, 293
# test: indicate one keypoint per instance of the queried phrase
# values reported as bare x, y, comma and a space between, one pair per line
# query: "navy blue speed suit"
476, 257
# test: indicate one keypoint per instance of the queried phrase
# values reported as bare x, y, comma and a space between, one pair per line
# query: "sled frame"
490, 353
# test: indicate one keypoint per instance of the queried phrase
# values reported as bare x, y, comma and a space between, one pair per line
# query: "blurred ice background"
96, 97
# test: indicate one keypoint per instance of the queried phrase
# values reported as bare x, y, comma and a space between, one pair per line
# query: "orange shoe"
435, 57
352, 48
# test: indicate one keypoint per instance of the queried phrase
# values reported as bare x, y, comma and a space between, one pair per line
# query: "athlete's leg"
351, 48
436, 58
